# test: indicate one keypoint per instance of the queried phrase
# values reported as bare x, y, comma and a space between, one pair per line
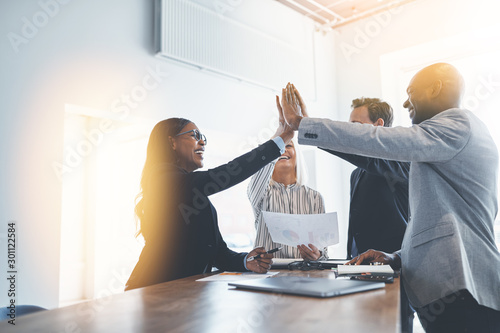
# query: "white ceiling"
332, 14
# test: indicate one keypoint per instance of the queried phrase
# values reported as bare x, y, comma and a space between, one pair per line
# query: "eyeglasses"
196, 135
305, 265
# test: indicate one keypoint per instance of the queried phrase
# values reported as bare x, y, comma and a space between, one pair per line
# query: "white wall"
91, 53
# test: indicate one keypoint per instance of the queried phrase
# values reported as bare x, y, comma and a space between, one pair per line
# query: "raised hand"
300, 101
292, 111
283, 129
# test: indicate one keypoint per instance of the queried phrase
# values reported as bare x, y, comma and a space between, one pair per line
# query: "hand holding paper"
309, 252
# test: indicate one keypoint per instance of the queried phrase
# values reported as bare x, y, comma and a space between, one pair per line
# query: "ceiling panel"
335, 13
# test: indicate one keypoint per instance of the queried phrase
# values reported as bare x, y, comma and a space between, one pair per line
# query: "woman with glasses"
177, 219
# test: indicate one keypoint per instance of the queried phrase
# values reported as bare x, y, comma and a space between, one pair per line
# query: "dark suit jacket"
378, 213
180, 223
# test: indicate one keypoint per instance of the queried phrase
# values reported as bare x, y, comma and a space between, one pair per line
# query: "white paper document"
321, 230
359, 269
236, 276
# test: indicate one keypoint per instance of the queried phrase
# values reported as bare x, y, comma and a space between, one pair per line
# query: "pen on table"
268, 252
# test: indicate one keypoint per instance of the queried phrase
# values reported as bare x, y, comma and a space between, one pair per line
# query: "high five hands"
294, 108
283, 130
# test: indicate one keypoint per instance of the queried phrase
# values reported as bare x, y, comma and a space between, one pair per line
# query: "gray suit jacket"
449, 242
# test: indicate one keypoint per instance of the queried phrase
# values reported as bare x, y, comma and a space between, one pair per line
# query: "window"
475, 56
102, 165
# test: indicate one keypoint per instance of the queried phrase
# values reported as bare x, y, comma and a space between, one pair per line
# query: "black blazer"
378, 212
182, 234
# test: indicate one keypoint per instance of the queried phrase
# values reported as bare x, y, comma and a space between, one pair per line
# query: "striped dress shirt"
267, 195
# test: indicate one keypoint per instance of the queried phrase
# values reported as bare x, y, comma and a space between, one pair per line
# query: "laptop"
306, 286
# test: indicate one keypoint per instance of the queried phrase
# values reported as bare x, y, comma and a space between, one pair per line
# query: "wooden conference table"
186, 305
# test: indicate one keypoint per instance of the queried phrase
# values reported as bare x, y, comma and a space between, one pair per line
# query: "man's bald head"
434, 89
453, 83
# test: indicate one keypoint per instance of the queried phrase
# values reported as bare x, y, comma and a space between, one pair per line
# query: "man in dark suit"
378, 212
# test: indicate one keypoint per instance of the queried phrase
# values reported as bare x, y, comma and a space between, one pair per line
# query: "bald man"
450, 263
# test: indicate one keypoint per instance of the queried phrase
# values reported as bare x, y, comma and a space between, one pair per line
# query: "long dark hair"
159, 151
